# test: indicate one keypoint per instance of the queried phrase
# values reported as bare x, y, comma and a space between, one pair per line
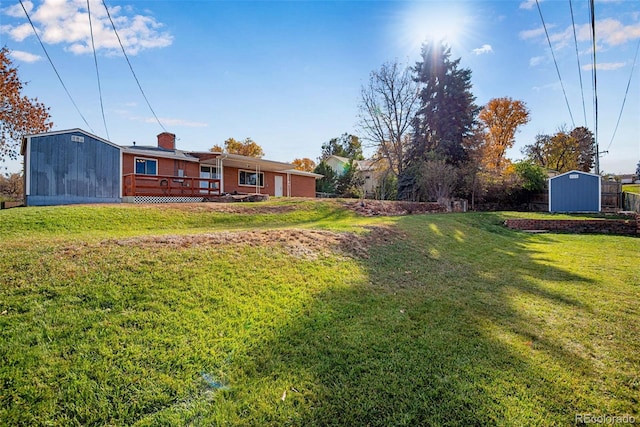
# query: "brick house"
74, 166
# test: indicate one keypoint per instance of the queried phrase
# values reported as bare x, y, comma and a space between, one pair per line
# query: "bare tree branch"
388, 105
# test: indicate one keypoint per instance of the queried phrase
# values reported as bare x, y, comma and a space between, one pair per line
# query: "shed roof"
62, 132
574, 172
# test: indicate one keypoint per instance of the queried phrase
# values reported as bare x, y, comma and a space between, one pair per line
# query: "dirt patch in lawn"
300, 243
231, 208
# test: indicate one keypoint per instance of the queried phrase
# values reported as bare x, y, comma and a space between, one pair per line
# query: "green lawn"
301, 313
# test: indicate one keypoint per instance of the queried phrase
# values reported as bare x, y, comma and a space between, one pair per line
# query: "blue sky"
288, 74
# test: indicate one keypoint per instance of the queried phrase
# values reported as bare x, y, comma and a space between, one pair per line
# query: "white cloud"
530, 34
17, 33
609, 32
562, 39
550, 86
486, 48
25, 56
605, 66
614, 33
528, 4
536, 60
66, 22
15, 11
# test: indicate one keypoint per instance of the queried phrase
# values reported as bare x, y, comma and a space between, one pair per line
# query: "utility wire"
54, 67
625, 96
594, 74
95, 60
130, 66
575, 39
556, 63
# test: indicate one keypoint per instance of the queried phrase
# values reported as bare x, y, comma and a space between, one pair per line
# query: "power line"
556, 63
592, 11
54, 67
575, 39
625, 96
95, 60
130, 66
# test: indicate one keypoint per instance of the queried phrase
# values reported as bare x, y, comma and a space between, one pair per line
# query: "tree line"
434, 142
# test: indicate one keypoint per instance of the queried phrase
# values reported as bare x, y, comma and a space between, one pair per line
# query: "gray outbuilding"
575, 191
71, 166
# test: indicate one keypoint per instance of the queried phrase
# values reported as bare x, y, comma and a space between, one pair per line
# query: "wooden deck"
169, 186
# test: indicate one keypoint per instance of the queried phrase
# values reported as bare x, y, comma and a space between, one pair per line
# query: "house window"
251, 178
146, 166
209, 172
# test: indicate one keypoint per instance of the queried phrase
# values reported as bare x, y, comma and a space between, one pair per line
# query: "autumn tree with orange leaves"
248, 148
304, 164
19, 115
501, 118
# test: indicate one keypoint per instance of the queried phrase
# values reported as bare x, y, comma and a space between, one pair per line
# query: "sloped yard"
306, 313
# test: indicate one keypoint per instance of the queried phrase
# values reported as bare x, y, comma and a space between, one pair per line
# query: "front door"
278, 186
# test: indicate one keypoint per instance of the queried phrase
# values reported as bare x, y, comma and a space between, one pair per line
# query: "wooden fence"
631, 202
611, 196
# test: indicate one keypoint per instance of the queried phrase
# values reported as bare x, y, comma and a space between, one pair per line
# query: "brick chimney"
167, 141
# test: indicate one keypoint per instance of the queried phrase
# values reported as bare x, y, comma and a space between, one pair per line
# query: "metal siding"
104, 186
62, 171
575, 195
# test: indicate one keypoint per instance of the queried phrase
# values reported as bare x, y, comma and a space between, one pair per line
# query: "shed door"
278, 186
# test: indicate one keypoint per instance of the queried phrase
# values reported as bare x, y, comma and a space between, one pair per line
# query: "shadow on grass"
457, 322
438, 336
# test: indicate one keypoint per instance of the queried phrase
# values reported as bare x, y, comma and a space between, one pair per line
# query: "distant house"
364, 168
628, 178
73, 166
575, 191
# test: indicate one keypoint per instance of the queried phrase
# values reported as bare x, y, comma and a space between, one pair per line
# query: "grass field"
302, 313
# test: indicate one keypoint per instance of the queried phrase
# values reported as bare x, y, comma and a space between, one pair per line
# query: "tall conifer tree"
447, 107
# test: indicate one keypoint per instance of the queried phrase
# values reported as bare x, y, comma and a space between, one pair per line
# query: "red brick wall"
165, 166
630, 227
302, 186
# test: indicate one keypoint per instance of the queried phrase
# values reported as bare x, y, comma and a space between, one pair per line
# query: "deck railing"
169, 186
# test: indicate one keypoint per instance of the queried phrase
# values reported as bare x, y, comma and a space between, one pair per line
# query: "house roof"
365, 165
244, 162
62, 132
251, 163
362, 165
303, 173
340, 158
146, 150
